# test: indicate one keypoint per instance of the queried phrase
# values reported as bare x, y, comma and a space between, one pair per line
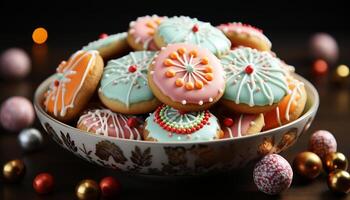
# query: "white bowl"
166, 158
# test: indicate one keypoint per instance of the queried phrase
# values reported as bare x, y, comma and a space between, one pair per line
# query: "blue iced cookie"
124, 87
167, 124
190, 30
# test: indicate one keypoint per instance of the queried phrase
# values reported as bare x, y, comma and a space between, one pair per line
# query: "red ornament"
249, 69
132, 68
320, 67
132, 122
43, 183
228, 122
195, 28
103, 35
110, 187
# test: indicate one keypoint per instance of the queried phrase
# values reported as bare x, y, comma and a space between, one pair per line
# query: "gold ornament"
339, 181
13, 170
87, 190
336, 160
307, 164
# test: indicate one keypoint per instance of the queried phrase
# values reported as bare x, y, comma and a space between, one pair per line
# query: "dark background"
72, 24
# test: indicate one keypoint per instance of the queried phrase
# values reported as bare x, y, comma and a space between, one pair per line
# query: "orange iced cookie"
290, 108
73, 85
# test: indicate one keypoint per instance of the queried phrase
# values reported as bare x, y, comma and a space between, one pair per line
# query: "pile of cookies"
173, 79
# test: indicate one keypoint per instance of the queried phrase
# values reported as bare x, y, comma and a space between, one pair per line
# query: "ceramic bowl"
186, 158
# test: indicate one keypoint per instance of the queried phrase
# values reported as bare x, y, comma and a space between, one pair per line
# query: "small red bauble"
132, 68
249, 69
195, 28
43, 183
320, 67
228, 122
132, 122
110, 187
103, 35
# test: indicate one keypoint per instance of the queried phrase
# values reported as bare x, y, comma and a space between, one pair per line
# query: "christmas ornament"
307, 164
43, 183
13, 170
110, 187
339, 181
320, 67
335, 160
272, 174
87, 190
16, 113
322, 142
103, 35
40, 35
14, 63
323, 46
30, 139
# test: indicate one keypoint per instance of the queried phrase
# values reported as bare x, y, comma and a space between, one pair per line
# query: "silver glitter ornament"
30, 139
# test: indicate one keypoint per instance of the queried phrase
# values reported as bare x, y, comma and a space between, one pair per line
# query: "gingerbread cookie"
246, 35
255, 81
167, 124
141, 32
192, 31
124, 87
186, 77
107, 123
73, 85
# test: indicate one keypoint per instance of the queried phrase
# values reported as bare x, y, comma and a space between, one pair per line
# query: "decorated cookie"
124, 87
238, 125
141, 32
109, 46
167, 124
255, 81
107, 123
246, 35
192, 31
73, 85
186, 77
291, 106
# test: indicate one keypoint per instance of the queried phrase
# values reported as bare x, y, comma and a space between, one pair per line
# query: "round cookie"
141, 32
73, 85
239, 125
124, 87
246, 35
111, 46
186, 77
107, 123
255, 81
291, 106
192, 31
167, 124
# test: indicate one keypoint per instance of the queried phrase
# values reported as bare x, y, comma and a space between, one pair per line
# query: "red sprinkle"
195, 28
132, 122
249, 69
56, 83
103, 35
228, 122
132, 68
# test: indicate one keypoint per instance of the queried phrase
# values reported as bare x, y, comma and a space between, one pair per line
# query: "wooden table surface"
68, 170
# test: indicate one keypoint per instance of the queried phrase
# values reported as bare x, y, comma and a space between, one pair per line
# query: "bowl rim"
309, 88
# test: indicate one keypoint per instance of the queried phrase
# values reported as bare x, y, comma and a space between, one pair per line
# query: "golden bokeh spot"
39, 35
343, 71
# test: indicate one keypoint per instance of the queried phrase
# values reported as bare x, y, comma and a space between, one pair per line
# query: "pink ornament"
14, 63
16, 113
322, 142
273, 174
323, 46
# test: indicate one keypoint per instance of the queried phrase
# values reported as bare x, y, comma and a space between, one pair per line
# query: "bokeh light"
343, 71
39, 35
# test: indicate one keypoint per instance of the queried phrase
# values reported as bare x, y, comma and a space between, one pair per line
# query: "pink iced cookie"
245, 35
16, 113
242, 125
141, 31
186, 77
107, 123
